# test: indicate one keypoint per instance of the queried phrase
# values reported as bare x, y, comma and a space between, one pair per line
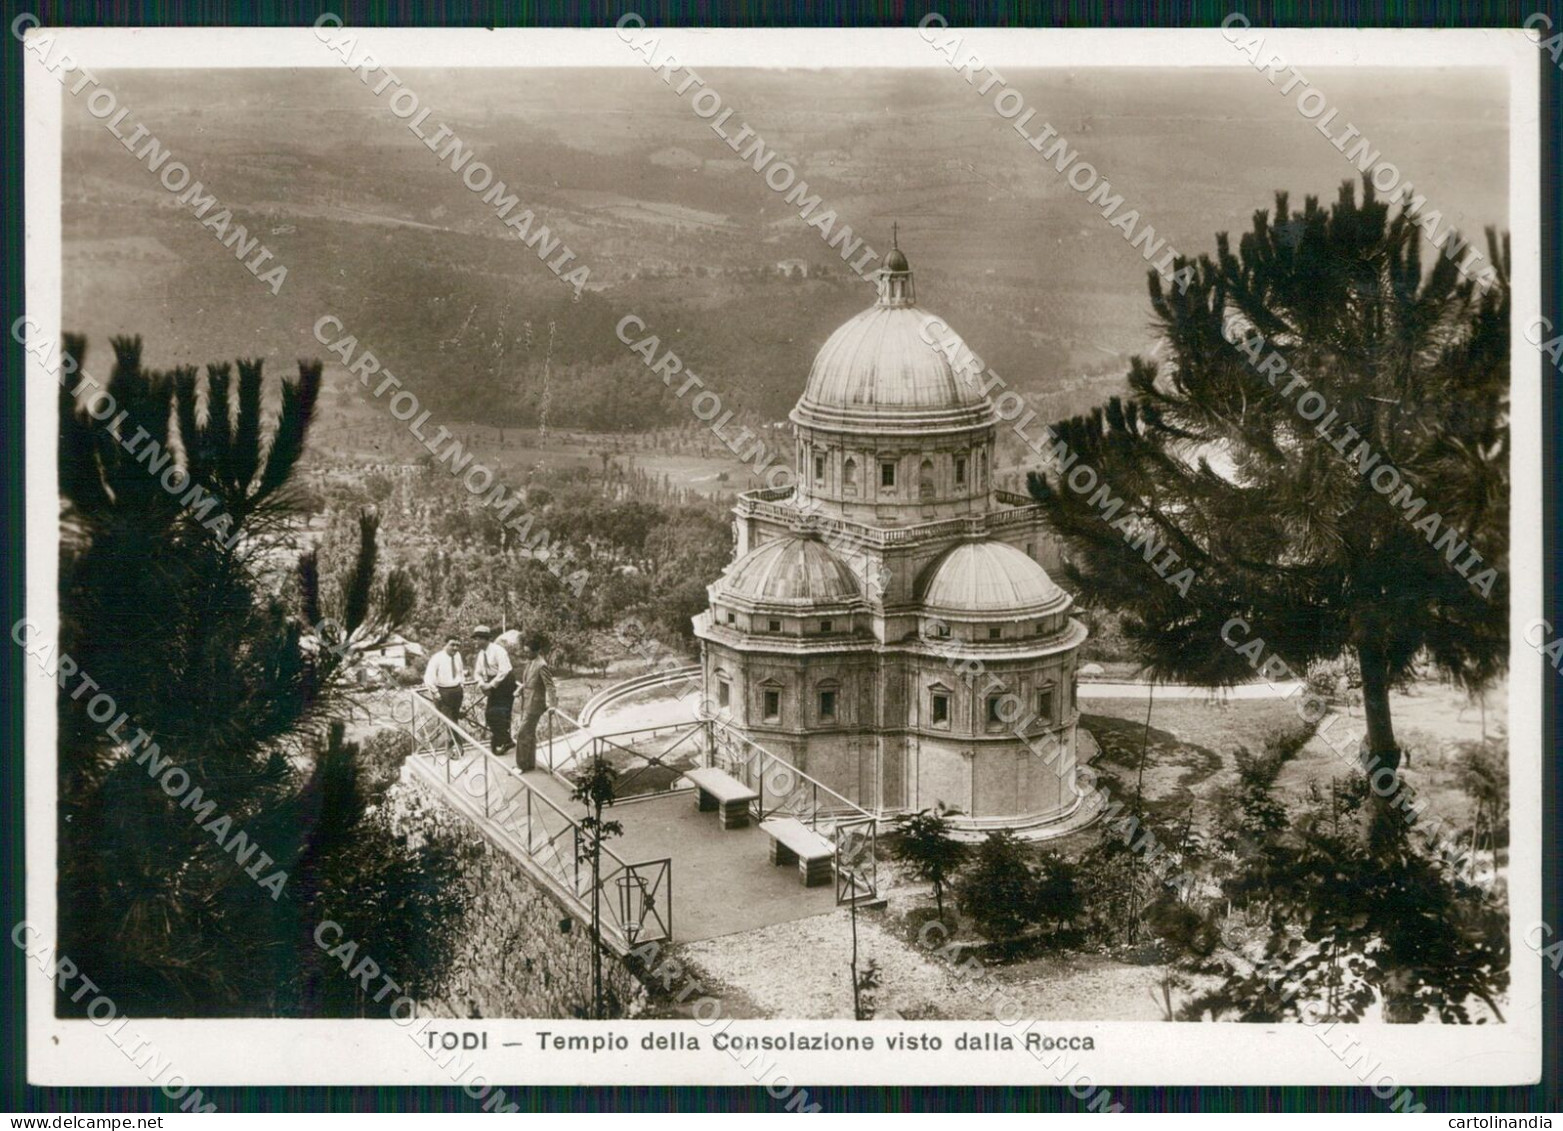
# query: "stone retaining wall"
524, 952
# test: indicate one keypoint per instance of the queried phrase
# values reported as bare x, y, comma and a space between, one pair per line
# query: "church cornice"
776, 505
1016, 651
790, 607
1027, 648
872, 422
756, 643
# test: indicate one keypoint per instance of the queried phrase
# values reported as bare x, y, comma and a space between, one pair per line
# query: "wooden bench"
717, 790
793, 841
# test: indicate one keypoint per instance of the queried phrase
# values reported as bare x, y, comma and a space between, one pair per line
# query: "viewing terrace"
726, 881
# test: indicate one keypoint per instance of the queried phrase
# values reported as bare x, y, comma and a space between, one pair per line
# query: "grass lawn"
1190, 751
1433, 723
1192, 743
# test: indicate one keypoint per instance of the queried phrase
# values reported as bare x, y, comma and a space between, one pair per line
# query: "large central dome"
888, 370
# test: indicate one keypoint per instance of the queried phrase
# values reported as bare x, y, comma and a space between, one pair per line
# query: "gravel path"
799, 970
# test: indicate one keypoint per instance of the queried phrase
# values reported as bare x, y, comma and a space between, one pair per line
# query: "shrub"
998, 887
1057, 898
380, 761
926, 845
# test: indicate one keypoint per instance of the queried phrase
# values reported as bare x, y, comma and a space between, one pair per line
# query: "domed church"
887, 625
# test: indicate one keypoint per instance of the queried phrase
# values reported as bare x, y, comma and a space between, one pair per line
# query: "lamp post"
632, 905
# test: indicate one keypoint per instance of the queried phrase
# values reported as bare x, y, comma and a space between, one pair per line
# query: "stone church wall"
943, 770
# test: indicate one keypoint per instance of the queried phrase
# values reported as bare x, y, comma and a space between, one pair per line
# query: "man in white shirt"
443, 676
496, 678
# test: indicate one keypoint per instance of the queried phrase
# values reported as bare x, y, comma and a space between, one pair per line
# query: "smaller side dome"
991, 579
791, 570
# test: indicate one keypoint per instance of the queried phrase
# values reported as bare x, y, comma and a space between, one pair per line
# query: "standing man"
496, 677
537, 685
443, 677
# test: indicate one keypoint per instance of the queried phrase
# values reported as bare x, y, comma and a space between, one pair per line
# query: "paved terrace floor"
723, 880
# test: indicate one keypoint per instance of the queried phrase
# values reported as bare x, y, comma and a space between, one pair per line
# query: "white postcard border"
380, 1052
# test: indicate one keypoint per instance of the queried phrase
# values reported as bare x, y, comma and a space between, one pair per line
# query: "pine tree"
1318, 464
175, 597
999, 890
1353, 924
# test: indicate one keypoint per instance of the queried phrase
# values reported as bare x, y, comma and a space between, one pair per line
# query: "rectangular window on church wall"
1045, 703
772, 706
819, 469
994, 719
941, 709
826, 626
773, 626
827, 704
887, 475
724, 693
960, 471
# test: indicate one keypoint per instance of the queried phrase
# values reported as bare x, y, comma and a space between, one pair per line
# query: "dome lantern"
895, 278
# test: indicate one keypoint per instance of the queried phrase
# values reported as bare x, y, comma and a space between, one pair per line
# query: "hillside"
677, 230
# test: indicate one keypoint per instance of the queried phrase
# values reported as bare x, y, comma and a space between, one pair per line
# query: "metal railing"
559, 732
857, 861
783, 790
636, 899
564, 742
684, 739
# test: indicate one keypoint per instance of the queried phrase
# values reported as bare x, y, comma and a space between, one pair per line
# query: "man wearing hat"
496, 678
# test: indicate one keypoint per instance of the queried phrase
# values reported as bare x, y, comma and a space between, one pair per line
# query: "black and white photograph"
784, 558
